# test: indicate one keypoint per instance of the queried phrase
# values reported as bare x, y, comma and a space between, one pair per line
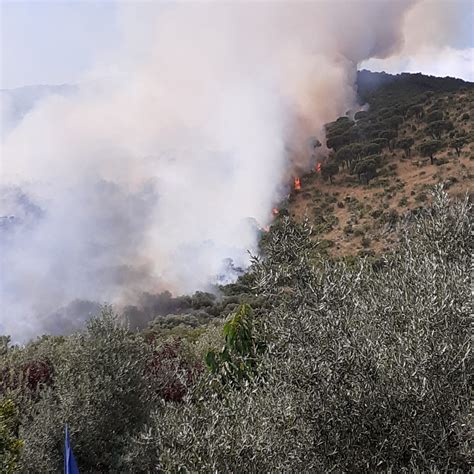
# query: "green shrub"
348, 229
441, 161
237, 361
10, 445
421, 197
102, 393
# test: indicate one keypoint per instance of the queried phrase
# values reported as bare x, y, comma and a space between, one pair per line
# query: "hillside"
353, 217
307, 363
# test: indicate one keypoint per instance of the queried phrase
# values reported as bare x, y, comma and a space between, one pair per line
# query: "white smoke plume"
438, 40
153, 174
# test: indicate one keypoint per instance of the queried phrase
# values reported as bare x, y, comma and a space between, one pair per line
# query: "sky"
59, 41
53, 42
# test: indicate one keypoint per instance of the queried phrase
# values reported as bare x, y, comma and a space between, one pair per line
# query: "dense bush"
10, 445
101, 392
429, 148
329, 169
438, 128
405, 144
457, 143
360, 367
368, 370
434, 116
366, 168
390, 136
238, 359
172, 371
347, 154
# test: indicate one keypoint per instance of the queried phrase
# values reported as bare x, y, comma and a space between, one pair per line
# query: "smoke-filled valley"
163, 165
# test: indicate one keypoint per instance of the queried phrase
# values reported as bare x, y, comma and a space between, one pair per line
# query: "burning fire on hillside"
223, 118
297, 184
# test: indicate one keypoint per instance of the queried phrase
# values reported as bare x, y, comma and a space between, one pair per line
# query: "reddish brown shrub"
172, 371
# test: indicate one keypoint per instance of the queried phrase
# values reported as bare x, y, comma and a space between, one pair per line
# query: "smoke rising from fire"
156, 172
438, 40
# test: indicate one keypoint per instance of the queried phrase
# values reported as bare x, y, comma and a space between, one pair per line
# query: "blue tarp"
70, 465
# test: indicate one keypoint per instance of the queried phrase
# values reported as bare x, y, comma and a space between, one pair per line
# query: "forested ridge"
318, 359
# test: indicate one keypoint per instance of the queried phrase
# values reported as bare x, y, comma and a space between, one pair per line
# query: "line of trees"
359, 144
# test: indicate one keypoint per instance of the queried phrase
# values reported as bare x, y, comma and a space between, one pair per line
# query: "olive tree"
10, 445
366, 168
390, 136
100, 391
405, 144
429, 148
329, 170
438, 128
348, 153
458, 143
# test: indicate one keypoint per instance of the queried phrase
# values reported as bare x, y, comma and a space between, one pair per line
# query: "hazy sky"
53, 42
58, 41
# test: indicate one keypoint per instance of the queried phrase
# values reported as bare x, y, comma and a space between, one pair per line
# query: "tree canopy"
429, 148
329, 169
438, 128
405, 144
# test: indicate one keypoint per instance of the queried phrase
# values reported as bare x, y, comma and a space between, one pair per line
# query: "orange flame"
297, 184
318, 167
275, 211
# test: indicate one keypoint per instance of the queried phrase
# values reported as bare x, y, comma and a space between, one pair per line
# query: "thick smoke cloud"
174, 150
438, 40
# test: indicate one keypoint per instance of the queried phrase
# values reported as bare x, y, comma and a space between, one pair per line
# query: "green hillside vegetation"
316, 359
